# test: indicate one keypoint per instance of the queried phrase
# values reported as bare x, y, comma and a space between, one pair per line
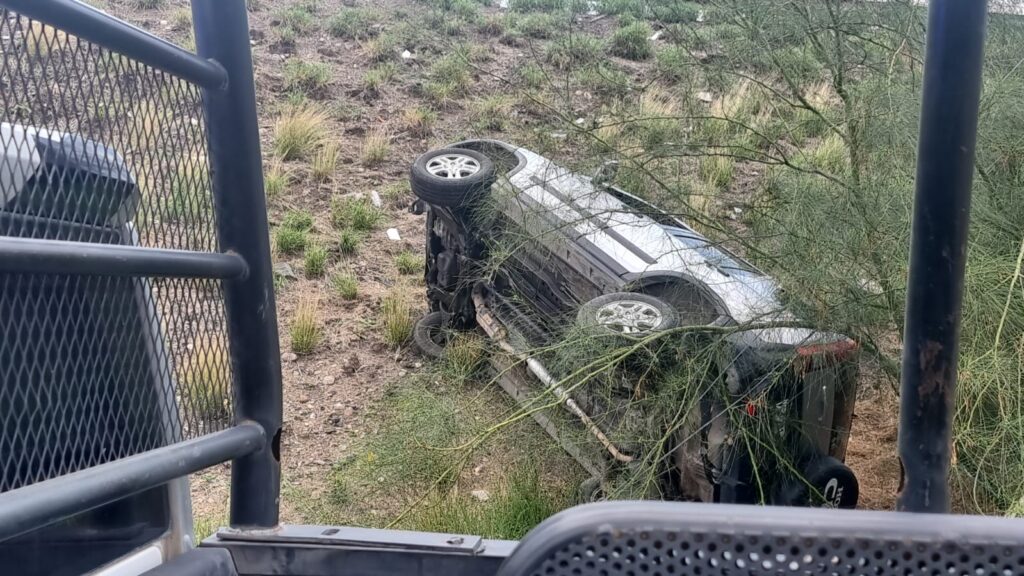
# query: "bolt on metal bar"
36, 505
938, 249
88, 23
36, 256
222, 34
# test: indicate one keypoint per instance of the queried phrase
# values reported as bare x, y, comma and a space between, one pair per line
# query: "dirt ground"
328, 394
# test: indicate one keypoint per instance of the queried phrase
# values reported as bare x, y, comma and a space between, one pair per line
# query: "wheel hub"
629, 316
453, 166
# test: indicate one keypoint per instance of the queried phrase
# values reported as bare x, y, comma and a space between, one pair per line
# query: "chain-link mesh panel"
99, 148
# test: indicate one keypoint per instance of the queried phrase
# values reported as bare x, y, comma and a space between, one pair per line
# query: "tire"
426, 332
639, 314
826, 483
433, 180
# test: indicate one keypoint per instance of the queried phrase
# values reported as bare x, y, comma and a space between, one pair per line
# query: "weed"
297, 220
345, 285
325, 162
348, 242
309, 78
525, 6
532, 75
397, 194
298, 132
632, 41
573, 51
493, 112
376, 145
375, 78
358, 214
290, 241
206, 381
276, 180
305, 330
408, 262
181, 19
397, 320
297, 18
315, 261
419, 121
716, 170
354, 23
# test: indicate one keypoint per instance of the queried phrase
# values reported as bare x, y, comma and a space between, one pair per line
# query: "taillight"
816, 356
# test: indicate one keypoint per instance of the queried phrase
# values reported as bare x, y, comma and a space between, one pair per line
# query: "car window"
715, 256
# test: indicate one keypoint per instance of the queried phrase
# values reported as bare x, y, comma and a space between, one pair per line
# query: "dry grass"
206, 381
418, 121
376, 146
276, 180
305, 330
397, 320
325, 162
299, 131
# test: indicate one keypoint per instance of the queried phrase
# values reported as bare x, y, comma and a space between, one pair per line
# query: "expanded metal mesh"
100, 148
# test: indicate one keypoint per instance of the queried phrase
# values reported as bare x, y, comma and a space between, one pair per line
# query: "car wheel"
451, 177
627, 314
430, 335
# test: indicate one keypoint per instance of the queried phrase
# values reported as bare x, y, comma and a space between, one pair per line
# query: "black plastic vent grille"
99, 148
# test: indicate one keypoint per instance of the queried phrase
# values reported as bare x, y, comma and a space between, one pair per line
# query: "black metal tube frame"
39, 504
938, 249
90, 24
35, 256
222, 35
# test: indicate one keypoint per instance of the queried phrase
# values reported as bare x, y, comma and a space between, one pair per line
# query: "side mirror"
605, 174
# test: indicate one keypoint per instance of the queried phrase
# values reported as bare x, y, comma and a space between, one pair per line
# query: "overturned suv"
579, 251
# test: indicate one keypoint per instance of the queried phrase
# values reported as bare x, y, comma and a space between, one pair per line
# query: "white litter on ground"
393, 234
375, 199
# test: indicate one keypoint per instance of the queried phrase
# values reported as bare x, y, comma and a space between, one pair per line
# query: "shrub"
305, 331
315, 261
632, 41
345, 285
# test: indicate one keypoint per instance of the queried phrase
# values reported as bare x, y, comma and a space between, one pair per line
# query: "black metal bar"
938, 249
42, 503
222, 34
88, 23
34, 256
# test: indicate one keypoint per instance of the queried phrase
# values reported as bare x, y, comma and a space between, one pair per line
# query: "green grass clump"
353, 23
717, 170
448, 79
396, 319
492, 112
541, 26
276, 180
315, 261
357, 214
532, 75
297, 18
377, 77
526, 6
383, 48
297, 220
674, 63
376, 145
305, 330
632, 41
397, 194
298, 132
520, 503
345, 285
309, 78
348, 242
574, 50
408, 262
419, 121
290, 241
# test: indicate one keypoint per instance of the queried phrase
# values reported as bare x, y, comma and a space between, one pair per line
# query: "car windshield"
715, 256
